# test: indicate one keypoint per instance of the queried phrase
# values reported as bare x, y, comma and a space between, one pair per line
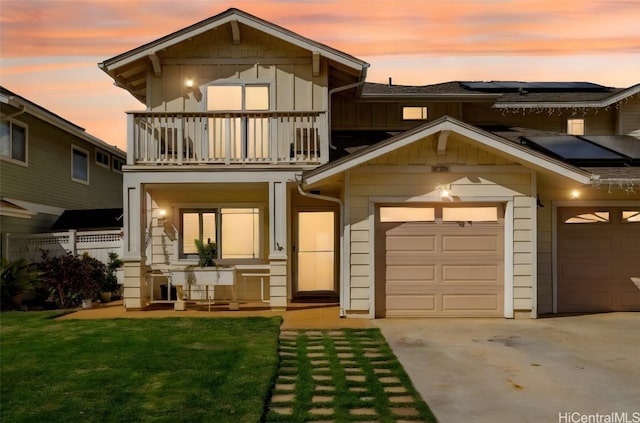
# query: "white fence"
97, 244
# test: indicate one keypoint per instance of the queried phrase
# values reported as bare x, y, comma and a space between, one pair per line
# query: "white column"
278, 209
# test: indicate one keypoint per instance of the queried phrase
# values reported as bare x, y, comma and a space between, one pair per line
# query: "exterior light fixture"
575, 194
188, 83
162, 214
445, 192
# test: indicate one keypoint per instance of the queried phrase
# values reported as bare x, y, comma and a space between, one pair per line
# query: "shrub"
70, 279
111, 278
17, 277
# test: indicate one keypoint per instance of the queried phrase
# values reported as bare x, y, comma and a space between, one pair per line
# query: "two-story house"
455, 199
49, 165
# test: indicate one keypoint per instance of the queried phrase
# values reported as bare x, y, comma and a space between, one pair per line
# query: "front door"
315, 253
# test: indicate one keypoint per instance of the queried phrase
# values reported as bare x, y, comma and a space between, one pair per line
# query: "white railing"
98, 244
227, 138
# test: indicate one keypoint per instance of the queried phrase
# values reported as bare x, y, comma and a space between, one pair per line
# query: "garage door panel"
471, 302
577, 271
415, 302
441, 269
411, 243
470, 244
420, 273
595, 261
460, 273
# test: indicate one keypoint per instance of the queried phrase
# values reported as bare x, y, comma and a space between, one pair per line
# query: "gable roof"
147, 51
26, 106
520, 153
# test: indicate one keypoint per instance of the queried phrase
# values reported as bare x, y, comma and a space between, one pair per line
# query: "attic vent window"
414, 113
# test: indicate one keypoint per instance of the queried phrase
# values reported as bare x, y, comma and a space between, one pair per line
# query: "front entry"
315, 254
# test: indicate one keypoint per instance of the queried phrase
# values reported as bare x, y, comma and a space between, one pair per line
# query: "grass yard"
135, 370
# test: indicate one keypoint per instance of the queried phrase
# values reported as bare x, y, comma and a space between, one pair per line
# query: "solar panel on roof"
576, 150
623, 144
502, 86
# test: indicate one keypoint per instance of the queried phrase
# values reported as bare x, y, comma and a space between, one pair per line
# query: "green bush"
70, 279
17, 277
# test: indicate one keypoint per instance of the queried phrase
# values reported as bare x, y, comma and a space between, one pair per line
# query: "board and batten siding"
213, 58
401, 175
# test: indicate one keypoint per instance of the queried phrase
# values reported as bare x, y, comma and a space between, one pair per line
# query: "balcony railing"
227, 138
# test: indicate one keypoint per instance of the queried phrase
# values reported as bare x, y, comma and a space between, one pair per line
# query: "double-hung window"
13, 141
79, 165
234, 230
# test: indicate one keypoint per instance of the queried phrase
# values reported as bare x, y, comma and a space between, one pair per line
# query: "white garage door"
598, 252
435, 260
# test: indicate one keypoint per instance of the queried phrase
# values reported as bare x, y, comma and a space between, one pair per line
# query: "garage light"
575, 194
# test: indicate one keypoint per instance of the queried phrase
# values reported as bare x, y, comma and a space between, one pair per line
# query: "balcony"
227, 138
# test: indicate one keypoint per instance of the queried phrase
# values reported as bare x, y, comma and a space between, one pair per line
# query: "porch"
180, 138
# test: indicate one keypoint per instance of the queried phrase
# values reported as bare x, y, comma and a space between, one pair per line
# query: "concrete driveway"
555, 369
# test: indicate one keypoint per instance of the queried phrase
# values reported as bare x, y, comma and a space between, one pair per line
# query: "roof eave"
533, 158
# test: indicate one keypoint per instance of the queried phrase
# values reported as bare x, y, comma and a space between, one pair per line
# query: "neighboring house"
48, 165
458, 199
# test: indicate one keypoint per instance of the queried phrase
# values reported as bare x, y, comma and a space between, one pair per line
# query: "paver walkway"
341, 375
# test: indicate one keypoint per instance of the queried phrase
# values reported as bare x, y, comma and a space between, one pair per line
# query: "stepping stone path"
340, 375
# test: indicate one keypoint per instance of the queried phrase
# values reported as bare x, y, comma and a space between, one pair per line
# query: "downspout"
363, 76
342, 252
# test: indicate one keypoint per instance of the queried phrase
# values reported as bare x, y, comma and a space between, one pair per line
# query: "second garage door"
434, 260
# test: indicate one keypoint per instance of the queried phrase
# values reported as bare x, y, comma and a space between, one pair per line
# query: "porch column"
134, 284
278, 260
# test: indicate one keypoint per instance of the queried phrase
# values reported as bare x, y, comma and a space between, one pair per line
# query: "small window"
469, 214
102, 158
631, 216
575, 126
117, 164
595, 217
414, 113
79, 165
407, 214
13, 141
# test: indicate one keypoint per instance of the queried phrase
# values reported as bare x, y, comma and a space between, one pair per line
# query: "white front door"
316, 251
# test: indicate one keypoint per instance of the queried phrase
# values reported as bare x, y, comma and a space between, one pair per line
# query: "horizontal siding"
630, 116
47, 178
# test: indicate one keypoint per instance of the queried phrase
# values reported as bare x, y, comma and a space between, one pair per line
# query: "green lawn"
135, 370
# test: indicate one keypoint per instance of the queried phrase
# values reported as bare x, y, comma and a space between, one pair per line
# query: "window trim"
10, 158
86, 152
179, 209
105, 154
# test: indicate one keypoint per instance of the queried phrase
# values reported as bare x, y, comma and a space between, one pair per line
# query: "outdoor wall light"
575, 194
445, 192
188, 83
162, 214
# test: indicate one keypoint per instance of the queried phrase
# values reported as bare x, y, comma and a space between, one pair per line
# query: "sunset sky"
49, 49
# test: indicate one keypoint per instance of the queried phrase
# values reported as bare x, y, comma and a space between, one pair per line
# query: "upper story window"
575, 126
414, 113
117, 164
13, 141
79, 164
238, 97
102, 159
